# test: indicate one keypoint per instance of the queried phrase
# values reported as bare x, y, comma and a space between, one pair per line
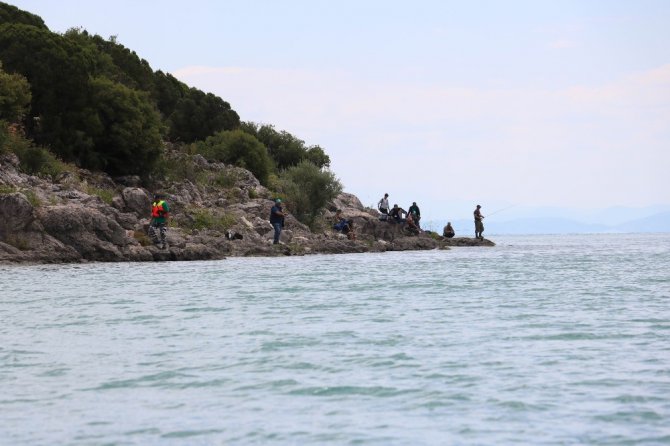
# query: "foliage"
106, 195
167, 91
198, 115
38, 160
124, 128
32, 159
96, 103
285, 149
200, 219
32, 198
70, 74
176, 169
238, 148
307, 189
317, 156
14, 96
12, 14
6, 189
225, 179
18, 241
57, 70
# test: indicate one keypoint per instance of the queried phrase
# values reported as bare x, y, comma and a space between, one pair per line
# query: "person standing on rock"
277, 219
479, 224
383, 206
160, 211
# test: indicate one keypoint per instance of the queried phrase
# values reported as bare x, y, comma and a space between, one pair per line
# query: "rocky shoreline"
81, 216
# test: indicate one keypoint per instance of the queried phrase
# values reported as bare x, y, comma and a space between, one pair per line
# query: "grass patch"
199, 219
38, 160
106, 195
434, 235
32, 198
179, 169
225, 179
6, 189
19, 243
142, 238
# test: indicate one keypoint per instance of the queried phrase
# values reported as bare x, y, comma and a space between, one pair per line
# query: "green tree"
238, 148
167, 92
308, 189
14, 96
317, 156
12, 14
57, 70
198, 115
125, 129
285, 149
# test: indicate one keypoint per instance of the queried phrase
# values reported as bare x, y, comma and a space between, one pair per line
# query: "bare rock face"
23, 238
346, 201
16, 213
65, 220
91, 233
136, 201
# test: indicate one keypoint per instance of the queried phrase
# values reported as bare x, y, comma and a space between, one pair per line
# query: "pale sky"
446, 103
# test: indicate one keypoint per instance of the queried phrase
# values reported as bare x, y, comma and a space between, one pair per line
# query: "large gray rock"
137, 201
16, 213
93, 234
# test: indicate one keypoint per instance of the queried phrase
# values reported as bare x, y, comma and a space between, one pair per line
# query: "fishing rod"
460, 229
500, 210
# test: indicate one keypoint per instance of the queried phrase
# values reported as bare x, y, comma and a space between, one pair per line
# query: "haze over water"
539, 340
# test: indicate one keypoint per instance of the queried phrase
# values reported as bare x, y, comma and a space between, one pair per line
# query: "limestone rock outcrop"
222, 211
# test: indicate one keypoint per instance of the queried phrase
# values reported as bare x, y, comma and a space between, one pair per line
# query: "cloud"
568, 146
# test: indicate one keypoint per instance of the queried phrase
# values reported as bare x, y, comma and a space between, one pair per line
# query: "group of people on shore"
160, 212
396, 214
412, 217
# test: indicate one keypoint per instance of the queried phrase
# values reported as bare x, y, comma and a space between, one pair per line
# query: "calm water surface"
541, 340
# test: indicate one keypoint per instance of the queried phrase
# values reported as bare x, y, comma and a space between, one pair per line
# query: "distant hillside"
659, 222
78, 100
95, 103
656, 223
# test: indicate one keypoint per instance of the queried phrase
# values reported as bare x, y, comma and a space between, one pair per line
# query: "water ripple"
540, 340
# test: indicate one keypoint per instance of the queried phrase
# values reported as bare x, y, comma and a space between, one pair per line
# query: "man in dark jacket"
415, 213
277, 219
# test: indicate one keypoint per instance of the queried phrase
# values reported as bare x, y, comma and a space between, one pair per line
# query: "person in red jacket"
160, 211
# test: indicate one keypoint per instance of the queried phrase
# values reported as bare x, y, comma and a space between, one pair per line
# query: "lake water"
541, 340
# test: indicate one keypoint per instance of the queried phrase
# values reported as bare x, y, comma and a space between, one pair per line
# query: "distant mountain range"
611, 220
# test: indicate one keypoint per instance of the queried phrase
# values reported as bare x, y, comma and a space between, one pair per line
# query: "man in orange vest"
160, 211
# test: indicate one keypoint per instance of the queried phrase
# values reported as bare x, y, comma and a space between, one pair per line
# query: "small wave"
377, 391
153, 380
191, 433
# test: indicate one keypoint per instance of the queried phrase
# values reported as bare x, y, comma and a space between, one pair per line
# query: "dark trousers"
277, 227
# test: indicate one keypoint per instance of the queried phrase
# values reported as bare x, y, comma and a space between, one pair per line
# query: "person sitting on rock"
448, 231
415, 213
397, 213
344, 225
412, 227
160, 211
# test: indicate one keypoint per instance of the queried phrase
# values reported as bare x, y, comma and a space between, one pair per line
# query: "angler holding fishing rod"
479, 224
